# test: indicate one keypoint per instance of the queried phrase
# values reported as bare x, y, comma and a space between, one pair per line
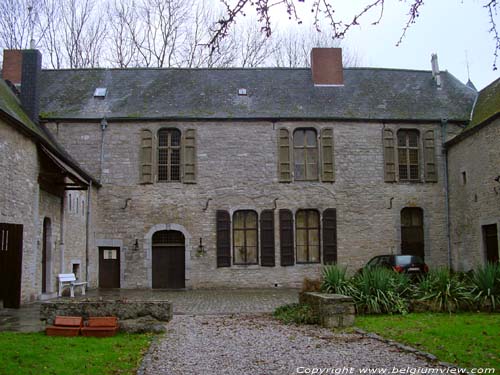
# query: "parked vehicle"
409, 264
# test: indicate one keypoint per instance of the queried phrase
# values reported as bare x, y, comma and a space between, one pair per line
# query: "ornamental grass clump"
443, 290
335, 280
379, 290
485, 282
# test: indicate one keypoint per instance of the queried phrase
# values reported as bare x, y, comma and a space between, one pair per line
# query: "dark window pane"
175, 137
298, 138
245, 237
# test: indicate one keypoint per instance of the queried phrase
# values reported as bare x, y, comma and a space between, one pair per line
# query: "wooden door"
11, 253
109, 267
490, 236
412, 232
168, 260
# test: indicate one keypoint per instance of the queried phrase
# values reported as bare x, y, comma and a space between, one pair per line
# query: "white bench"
69, 280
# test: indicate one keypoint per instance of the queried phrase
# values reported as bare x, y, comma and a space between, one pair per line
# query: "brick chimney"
22, 68
326, 67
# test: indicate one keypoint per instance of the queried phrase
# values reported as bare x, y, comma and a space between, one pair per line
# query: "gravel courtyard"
259, 344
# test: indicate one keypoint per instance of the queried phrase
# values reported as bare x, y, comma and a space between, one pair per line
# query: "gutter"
87, 231
444, 132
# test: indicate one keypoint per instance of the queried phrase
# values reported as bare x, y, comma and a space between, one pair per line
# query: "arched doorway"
46, 254
168, 260
412, 231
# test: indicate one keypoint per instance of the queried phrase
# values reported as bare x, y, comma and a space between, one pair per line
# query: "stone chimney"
326, 67
435, 70
22, 68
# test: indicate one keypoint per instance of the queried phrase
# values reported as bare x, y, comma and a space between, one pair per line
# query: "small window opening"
83, 207
76, 270
76, 205
464, 178
69, 200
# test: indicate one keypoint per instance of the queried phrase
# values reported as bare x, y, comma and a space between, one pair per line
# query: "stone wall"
475, 200
22, 201
237, 169
19, 199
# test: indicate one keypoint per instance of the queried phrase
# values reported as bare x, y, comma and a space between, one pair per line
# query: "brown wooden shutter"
389, 157
190, 156
284, 162
146, 172
223, 239
430, 157
327, 160
267, 238
330, 236
286, 238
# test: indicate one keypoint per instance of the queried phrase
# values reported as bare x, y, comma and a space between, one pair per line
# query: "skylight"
100, 92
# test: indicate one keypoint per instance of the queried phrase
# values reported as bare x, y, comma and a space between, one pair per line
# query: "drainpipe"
444, 132
104, 125
61, 234
87, 227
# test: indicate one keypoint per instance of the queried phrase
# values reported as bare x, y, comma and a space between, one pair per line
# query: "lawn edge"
147, 358
409, 349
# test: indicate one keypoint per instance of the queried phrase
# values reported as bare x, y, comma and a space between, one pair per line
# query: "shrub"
444, 290
295, 313
379, 290
335, 280
486, 286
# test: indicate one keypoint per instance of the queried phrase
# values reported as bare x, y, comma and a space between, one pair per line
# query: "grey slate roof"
273, 93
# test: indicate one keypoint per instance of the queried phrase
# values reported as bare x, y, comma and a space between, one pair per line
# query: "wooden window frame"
308, 230
169, 149
245, 229
407, 148
305, 147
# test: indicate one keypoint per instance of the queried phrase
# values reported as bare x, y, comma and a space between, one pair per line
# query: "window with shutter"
389, 162
223, 239
327, 160
267, 238
146, 159
408, 155
307, 235
305, 155
286, 238
430, 157
330, 236
284, 163
169, 155
245, 250
190, 156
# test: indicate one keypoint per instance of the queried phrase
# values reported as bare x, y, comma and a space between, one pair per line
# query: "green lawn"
468, 339
36, 353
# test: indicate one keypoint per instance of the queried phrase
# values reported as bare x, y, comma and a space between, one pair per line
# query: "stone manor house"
200, 178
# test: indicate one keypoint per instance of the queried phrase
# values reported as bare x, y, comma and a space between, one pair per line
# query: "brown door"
412, 231
11, 253
490, 236
168, 260
45, 248
109, 267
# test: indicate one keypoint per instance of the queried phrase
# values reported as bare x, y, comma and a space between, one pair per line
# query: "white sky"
446, 27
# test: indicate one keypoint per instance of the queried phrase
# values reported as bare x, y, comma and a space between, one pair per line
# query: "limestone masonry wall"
475, 200
237, 169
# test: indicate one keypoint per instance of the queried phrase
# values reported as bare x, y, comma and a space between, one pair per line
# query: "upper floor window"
305, 155
169, 155
307, 233
408, 155
245, 237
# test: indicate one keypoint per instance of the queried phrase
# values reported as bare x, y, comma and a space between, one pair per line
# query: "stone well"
134, 316
332, 310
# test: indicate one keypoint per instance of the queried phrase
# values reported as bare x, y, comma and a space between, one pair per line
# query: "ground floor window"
412, 231
307, 234
245, 249
490, 238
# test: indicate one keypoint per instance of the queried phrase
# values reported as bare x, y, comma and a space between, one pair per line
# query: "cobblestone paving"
258, 344
211, 302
